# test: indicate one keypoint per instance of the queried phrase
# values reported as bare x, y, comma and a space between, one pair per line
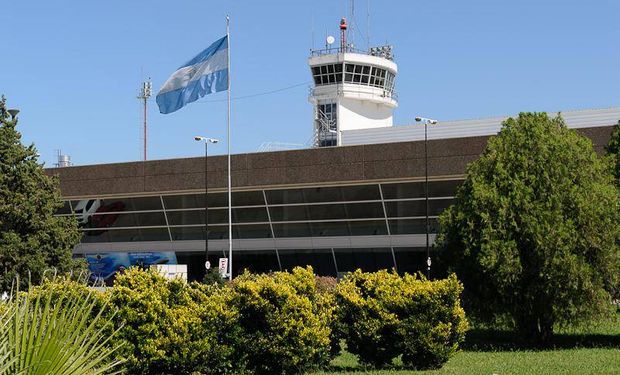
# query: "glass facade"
386, 209
359, 74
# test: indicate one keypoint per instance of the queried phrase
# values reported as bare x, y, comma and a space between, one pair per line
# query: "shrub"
170, 326
384, 315
284, 322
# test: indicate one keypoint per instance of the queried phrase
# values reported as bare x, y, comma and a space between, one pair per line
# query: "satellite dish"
330, 40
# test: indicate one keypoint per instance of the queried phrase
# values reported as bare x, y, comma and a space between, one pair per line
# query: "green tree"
534, 228
613, 150
31, 238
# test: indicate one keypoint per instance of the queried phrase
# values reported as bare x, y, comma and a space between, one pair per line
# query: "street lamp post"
426, 122
206, 141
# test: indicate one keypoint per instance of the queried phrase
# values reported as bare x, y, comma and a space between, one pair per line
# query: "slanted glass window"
284, 230
126, 235
413, 226
249, 215
117, 220
327, 74
252, 231
324, 194
364, 210
416, 189
130, 204
247, 198
216, 216
368, 228
416, 208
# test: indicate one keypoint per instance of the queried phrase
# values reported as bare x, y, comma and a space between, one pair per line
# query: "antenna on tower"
351, 32
368, 24
343, 35
145, 93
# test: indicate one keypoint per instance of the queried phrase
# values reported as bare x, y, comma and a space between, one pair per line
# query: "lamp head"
426, 120
198, 138
213, 140
13, 112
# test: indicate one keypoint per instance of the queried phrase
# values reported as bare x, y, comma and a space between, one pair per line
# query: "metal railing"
341, 90
334, 50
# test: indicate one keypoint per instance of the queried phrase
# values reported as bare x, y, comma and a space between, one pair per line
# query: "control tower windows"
369, 76
327, 74
364, 75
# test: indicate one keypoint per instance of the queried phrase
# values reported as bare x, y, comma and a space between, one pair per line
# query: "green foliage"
384, 315
533, 232
284, 322
56, 330
613, 150
170, 326
213, 277
31, 238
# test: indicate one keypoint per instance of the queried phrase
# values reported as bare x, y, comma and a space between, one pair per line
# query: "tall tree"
32, 239
534, 228
613, 149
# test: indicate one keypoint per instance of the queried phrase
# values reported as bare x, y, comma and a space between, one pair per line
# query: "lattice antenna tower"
145, 93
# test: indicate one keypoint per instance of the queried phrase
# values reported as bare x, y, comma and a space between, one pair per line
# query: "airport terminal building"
356, 199
359, 205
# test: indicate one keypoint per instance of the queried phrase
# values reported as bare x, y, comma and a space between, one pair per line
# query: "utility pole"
145, 94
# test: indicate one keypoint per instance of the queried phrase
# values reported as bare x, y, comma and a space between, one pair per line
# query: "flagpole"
230, 260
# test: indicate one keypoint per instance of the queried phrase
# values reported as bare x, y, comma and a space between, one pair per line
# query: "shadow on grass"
496, 340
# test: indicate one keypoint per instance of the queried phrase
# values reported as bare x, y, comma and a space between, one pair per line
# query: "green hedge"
382, 316
170, 326
284, 322
278, 323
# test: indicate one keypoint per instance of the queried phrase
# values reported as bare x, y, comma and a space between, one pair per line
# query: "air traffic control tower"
353, 89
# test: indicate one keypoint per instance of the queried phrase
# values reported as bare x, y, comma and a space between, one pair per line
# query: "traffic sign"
223, 266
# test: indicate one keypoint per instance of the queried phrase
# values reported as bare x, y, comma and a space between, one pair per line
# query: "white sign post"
223, 266
208, 265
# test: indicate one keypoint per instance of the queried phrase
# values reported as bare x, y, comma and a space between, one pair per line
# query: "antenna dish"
330, 40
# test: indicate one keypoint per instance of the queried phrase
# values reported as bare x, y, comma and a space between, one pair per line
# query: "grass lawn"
585, 350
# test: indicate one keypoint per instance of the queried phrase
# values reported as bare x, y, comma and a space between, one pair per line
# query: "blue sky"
74, 67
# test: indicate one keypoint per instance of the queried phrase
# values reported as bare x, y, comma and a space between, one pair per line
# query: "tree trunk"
536, 330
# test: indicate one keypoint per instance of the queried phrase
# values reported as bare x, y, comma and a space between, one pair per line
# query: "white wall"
361, 114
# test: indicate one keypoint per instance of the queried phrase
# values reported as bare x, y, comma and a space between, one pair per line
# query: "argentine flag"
204, 74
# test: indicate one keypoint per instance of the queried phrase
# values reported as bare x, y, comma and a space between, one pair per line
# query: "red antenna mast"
343, 34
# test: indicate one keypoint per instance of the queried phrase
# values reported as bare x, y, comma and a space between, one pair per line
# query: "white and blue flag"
204, 74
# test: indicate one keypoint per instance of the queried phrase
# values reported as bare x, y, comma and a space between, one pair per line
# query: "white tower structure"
353, 89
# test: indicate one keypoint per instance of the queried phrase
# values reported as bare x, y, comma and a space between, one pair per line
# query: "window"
327, 124
323, 194
369, 76
416, 189
416, 208
126, 235
327, 74
413, 226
